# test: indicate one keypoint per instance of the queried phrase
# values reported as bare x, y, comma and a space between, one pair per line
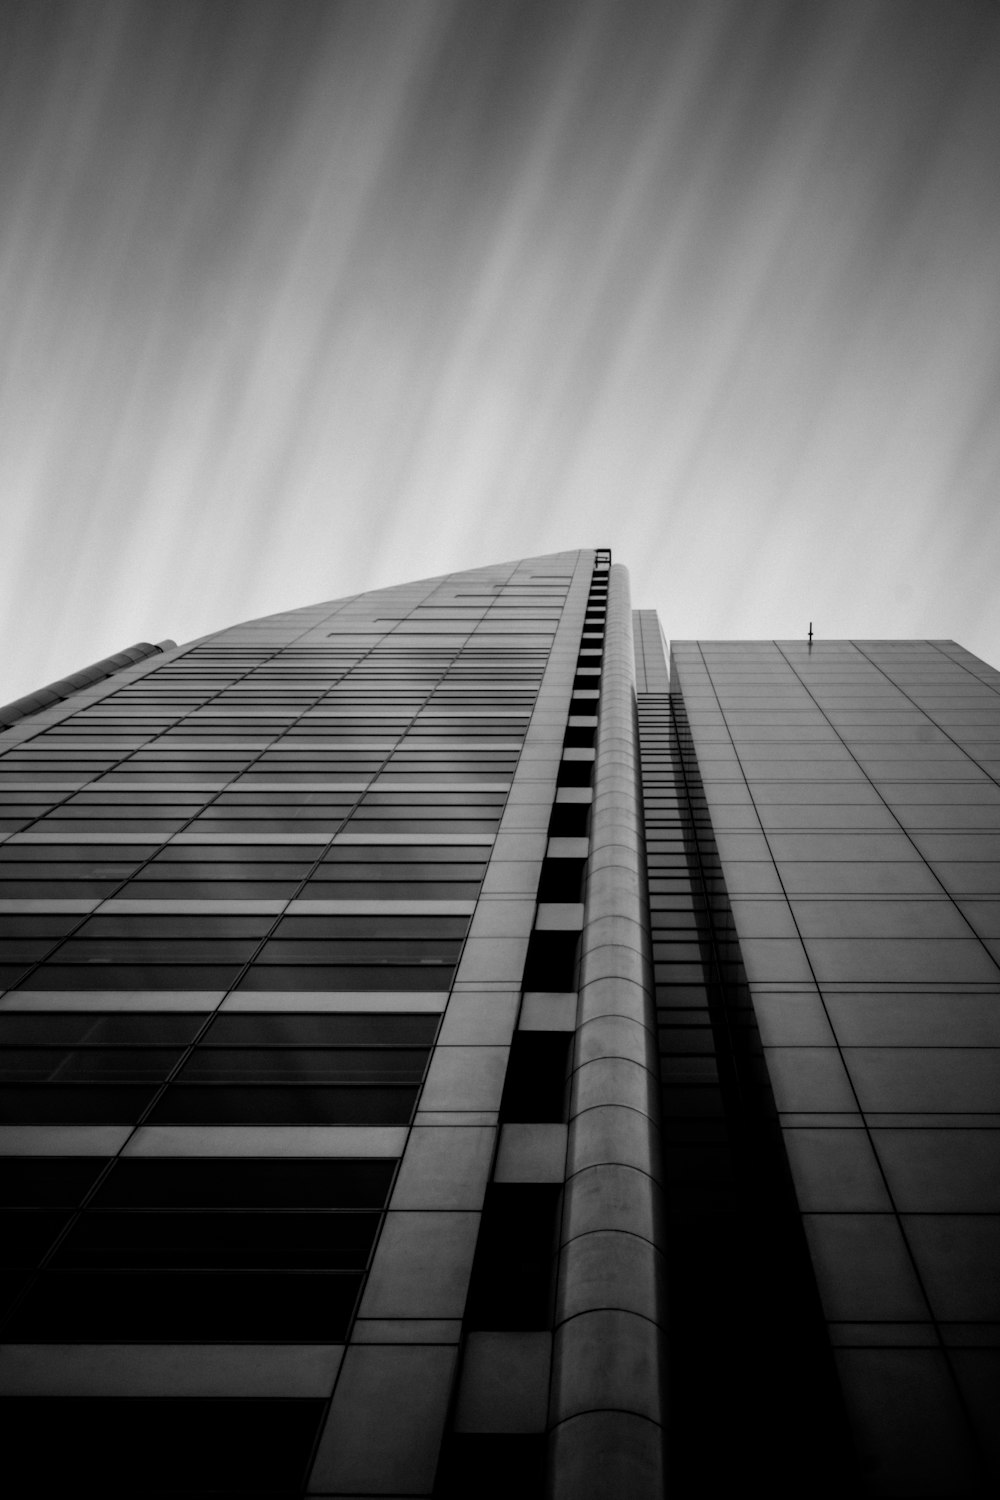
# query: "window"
217, 1446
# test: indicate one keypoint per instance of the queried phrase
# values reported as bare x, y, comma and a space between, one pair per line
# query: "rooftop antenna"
810, 632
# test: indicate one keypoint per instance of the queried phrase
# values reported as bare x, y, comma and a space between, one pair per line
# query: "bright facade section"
447, 1054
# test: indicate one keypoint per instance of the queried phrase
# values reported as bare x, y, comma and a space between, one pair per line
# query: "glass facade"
270, 1121
444, 1051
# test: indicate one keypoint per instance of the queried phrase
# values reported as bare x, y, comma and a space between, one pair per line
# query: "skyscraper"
449, 1053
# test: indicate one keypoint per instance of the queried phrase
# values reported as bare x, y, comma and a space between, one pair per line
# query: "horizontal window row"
300, 1306
221, 730
94, 950
208, 1104
261, 977
328, 870
248, 798
384, 698
213, 1064
196, 1182
285, 871
100, 745
197, 1239
152, 885
307, 821
54, 769
372, 706
174, 802
225, 1447
221, 950
96, 859
141, 1028
366, 726
380, 697
158, 926
178, 764
155, 938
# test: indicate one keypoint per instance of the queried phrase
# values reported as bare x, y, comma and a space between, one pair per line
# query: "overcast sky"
300, 298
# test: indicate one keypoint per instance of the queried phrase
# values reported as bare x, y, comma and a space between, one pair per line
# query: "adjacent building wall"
853, 795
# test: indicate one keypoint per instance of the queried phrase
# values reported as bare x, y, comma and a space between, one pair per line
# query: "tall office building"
450, 1053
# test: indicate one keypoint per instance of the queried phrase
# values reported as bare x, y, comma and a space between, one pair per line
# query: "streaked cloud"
302, 299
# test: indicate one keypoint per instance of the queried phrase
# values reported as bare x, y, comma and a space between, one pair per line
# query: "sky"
300, 298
